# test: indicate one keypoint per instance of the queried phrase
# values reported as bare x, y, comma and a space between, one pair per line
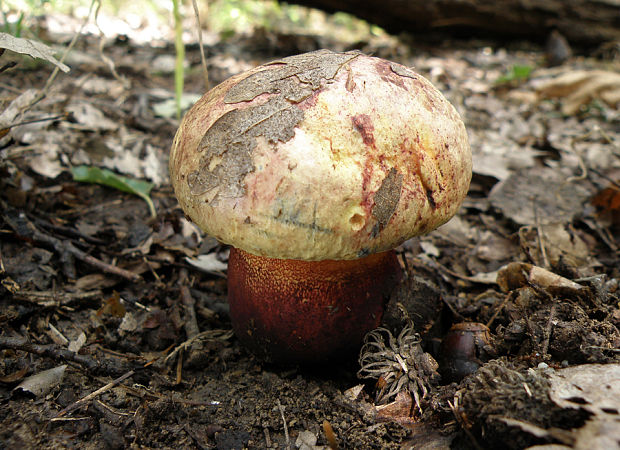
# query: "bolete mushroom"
314, 168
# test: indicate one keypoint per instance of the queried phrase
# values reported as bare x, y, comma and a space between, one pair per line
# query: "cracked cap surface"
322, 155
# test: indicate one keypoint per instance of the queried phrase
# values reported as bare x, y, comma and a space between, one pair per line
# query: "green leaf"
517, 72
95, 175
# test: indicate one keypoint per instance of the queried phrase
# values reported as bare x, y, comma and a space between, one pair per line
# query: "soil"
90, 281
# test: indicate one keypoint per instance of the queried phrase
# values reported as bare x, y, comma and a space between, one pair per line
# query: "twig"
212, 334
92, 395
203, 60
541, 239
191, 323
179, 374
548, 329
110, 409
499, 309
267, 437
54, 298
43, 93
454, 407
26, 229
286, 436
107, 61
55, 352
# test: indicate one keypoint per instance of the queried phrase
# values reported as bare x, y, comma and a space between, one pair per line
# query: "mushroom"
313, 168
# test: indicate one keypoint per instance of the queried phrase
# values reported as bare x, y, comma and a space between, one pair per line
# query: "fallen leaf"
400, 410
32, 48
112, 306
577, 88
208, 263
167, 108
592, 387
128, 324
306, 440
15, 376
90, 118
42, 382
539, 196
77, 344
516, 275
562, 245
607, 201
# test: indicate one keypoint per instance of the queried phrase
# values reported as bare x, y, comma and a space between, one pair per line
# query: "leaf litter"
90, 280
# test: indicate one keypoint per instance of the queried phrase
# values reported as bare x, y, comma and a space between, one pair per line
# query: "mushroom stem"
308, 311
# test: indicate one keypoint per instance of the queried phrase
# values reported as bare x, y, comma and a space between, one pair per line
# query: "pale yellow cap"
321, 156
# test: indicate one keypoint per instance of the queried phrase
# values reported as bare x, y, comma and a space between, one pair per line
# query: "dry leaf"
42, 382
208, 263
306, 440
32, 48
607, 201
400, 410
77, 344
517, 275
539, 196
15, 376
593, 387
562, 244
90, 118
579, 87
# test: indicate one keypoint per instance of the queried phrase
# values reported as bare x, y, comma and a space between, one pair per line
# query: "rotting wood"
581, 21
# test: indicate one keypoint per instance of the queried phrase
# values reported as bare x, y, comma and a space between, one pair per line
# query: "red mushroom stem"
308, 311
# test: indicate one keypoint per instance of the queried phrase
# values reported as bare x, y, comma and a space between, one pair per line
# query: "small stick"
330, 435
58, 353
92, 395
548, 329
51, 298
499, 309
541, 239
286, 436
203, 60
454, 407
24, 228
179, 374
191, 323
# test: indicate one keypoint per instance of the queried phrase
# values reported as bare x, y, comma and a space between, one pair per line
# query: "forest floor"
115, 334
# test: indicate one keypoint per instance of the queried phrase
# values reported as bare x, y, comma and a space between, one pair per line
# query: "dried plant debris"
556, 245
577, 88
32, 48
539, 196
546, 315
544, 405
399, 364
592, 387
41, 383
498, 394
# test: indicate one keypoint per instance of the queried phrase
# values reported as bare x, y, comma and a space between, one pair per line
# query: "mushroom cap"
322, 155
